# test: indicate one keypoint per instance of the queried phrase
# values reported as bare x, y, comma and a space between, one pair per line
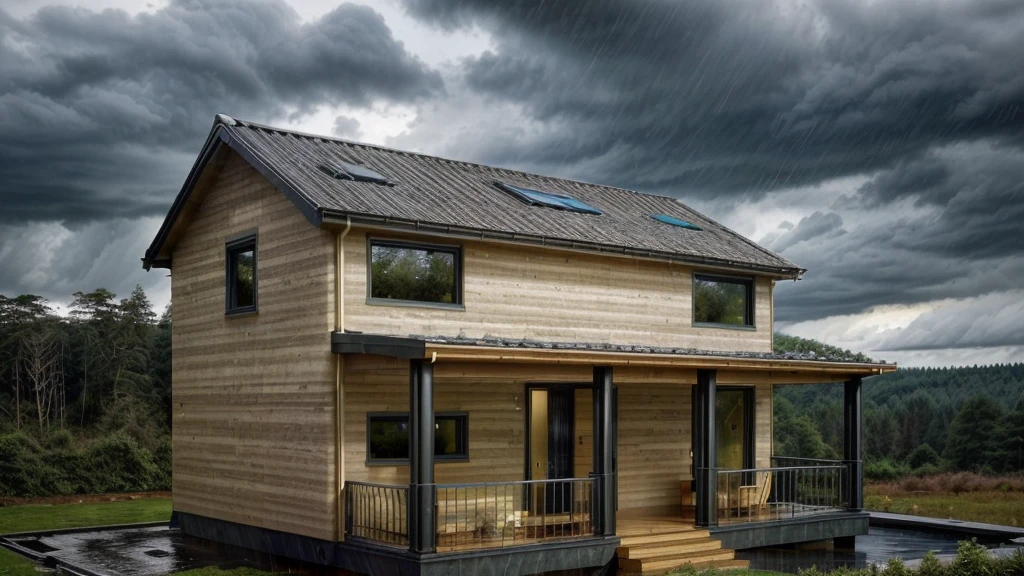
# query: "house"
393, 363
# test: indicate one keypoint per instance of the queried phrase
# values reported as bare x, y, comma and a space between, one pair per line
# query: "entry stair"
667, 550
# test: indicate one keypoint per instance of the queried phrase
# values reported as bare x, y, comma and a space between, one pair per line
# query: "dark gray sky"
880, 145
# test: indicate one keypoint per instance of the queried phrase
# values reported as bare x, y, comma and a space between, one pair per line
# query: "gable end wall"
253, 396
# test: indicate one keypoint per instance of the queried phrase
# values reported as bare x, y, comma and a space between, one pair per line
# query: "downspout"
339, 403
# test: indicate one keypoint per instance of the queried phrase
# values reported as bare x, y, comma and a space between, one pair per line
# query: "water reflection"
878, 546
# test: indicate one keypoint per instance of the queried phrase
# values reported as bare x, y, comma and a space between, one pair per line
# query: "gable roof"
435, 195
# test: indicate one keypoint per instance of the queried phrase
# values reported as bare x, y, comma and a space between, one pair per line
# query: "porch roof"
440, 348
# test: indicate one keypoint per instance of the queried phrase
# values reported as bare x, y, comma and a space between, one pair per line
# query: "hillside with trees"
84, 398
85, 404
917, 420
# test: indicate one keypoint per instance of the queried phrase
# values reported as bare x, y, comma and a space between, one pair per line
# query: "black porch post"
852, 451
421, 456
605, 449
704, 443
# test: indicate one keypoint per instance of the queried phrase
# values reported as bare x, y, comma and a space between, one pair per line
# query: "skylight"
550, 199
348, 171
675, 221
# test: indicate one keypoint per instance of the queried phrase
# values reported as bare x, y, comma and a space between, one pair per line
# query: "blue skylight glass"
550, 199
348, 171
675, 221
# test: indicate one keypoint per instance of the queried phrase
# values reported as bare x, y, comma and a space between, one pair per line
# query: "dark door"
560, 449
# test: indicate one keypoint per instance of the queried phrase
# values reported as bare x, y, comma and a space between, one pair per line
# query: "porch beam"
605, 449
422, 534
704, 445
852, 443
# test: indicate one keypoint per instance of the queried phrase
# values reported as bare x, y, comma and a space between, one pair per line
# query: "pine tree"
974, 437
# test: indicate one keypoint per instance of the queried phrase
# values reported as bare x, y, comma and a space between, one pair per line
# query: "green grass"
994, 507
12, 564
31, 518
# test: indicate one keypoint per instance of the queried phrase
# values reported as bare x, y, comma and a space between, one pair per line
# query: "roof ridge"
259, 125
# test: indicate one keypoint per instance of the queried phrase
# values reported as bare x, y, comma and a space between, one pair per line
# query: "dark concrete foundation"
593, 555
840, 525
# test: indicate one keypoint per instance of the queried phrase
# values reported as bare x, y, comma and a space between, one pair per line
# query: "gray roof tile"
440, 192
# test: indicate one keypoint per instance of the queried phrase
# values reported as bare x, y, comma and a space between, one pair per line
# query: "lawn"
991, 507
32, 518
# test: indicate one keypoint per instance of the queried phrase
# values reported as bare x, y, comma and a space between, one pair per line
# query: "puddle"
153, 551
878, 546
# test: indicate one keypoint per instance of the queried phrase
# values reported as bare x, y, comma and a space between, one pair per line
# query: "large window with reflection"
414, 273
723, 301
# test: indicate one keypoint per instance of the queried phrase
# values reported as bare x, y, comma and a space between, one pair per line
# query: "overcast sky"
880, 145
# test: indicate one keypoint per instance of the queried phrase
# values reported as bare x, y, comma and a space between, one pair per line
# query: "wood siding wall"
522, 292
253, 396
655, 413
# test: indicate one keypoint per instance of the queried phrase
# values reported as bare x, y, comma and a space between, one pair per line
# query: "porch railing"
779, 493
503, 514
377, 513
791, 461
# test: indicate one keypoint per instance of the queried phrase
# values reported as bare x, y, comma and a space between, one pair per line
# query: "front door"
552, 419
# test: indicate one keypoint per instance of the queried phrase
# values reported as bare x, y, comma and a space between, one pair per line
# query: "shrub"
922, 455
20, 468
972, 559
930, 566
60, 439
926, 470
1011, 566
896, 567
884, 471
118, 464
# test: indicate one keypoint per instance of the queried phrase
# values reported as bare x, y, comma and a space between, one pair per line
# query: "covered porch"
572, 449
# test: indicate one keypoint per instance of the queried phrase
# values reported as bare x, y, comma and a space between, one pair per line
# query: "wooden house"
393, 363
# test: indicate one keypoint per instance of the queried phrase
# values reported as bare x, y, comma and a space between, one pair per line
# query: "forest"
85, 404
916, 421
84, 397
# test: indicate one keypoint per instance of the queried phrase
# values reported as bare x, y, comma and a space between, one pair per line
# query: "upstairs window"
241, 285
550, 199
723, 301
412, 273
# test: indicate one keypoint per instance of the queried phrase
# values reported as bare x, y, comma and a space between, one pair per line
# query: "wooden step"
670, 549
658, 539
661, 563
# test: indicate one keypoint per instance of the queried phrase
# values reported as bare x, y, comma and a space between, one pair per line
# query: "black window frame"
232, 248
461, 429
457, 289
747, 282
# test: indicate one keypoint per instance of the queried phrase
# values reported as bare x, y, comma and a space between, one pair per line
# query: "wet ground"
157, 551
151, 551
877, 547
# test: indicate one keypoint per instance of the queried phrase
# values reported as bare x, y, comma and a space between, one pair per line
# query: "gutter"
445, 230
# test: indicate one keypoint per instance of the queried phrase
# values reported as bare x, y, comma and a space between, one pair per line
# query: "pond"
878, 546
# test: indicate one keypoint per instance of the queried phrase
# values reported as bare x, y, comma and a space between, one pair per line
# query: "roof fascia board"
221, 136
443, 231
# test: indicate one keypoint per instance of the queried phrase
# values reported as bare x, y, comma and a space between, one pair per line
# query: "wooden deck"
656, 543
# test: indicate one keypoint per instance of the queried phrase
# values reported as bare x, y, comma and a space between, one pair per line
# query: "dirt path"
81, 498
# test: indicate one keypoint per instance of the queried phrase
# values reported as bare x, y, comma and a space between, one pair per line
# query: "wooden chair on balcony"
755, 496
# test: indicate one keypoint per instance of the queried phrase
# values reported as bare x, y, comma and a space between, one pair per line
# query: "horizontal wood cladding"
253, 396
654, 444
494, 400
521, 292
654, 429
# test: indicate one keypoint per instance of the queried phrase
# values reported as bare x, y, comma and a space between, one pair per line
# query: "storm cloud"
878, 145
101, 113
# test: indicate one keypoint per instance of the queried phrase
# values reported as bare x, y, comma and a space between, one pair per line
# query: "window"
241, 288
357, 172
403, 272
665, 218
387, 437
723, 301
549, 199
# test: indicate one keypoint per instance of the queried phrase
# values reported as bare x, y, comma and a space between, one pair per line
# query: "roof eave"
424, 227
220, 135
